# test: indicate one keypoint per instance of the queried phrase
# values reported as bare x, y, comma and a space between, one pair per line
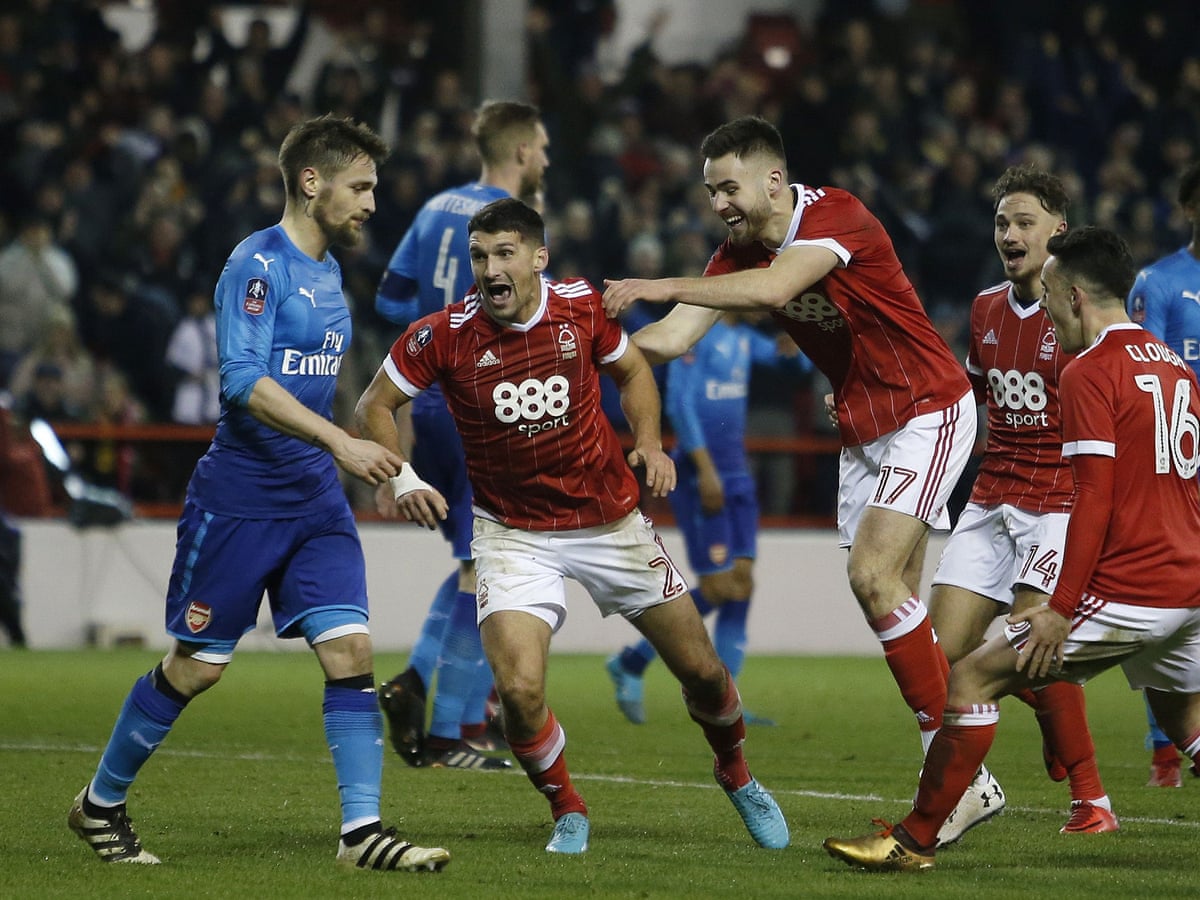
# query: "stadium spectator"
192, 353
58, 349
556, 498
37, 278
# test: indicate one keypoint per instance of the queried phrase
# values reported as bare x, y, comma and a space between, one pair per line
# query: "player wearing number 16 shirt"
1006, 549
518, 361
1128, 593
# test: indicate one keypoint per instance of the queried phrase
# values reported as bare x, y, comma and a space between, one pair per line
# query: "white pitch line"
604, 779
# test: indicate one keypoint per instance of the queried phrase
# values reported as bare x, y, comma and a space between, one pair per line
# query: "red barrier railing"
198, 436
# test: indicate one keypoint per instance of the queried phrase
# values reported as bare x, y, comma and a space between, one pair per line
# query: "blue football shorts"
713, 542
224, 565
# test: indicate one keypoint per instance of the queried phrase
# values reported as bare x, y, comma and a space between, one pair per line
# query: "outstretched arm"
794, 270
675, 333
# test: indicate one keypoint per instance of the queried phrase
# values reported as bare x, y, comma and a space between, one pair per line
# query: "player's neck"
1027, 293
505, 178
304, 232
782, 209
1100, 318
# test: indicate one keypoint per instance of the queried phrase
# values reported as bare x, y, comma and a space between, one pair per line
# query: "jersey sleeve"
841, 224
610, 340
1088, 415
974, 365
396, 298
414, 361
684, 393
246, 302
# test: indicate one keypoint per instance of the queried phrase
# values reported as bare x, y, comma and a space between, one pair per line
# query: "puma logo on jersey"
488, 359
310, 294
1194, 296
990, 337
266, 263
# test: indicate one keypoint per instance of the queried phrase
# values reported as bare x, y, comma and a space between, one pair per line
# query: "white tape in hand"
407, 481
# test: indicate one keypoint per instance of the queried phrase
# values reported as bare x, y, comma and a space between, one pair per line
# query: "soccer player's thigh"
915, 470
973, 581
520, 599
326, 575
1168, 669
626, 569
222, 567
1039, 539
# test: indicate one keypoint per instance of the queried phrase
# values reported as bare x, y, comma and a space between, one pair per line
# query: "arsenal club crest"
198, 616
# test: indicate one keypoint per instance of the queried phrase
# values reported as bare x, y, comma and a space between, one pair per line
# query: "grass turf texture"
240, 800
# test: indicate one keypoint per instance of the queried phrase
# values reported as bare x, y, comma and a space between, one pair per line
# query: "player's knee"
741, 584
523, 699
705, 680
866, 582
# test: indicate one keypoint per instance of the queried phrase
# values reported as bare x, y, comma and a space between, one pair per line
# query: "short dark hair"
502, 124
509, 214
1189, 185
1047, 188
329, 144
1096, 256
742, 137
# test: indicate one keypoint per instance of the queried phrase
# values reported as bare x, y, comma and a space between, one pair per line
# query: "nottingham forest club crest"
567, 347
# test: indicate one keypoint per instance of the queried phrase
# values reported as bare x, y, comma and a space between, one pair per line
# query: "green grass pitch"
240, 801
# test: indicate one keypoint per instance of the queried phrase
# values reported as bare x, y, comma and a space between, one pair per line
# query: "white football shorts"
1155, 647
994, 548
912, 470
623, 566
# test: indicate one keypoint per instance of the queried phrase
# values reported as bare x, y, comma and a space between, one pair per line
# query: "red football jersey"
1131, 397
541, 454
862, 324
1014, 359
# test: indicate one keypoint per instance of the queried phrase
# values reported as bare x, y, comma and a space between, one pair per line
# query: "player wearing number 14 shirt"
518, 362
1006, 549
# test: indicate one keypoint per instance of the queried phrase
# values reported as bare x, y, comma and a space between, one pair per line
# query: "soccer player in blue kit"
1165, 300
715, 503
265, 511
430, 269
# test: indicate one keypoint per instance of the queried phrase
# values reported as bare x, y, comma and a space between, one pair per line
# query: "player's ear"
310, 181
541, 259
1062, 226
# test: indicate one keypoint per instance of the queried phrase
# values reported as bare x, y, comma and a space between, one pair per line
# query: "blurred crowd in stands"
129, 171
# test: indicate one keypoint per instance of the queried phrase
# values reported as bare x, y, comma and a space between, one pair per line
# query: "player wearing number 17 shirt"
1006, 549
1127, 594
518, 362
826, 270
